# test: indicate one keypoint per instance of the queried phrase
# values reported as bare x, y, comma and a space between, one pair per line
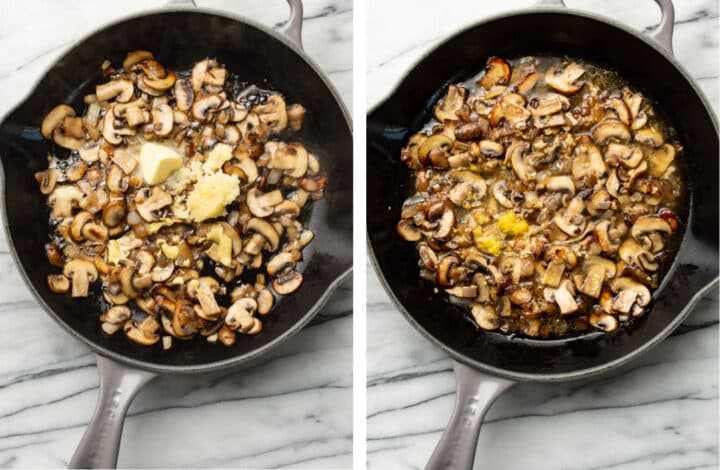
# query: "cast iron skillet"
178, 38
486, 363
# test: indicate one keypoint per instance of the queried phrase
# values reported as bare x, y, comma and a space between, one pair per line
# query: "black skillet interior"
464, 55
178, 39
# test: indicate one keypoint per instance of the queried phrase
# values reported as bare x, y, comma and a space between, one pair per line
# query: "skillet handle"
664, 31
663, 34
119, 384
293, 27
476, 391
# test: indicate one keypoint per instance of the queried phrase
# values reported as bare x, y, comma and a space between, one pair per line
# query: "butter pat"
158, 161
211, 194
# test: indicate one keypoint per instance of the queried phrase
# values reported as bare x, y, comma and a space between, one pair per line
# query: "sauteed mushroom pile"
172, 196
545, 197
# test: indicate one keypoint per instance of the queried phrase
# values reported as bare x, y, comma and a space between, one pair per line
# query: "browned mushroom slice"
619, 108
54, 119
485, 316
273, 113
202, 107
550, 103
634, 254
438, 142
588, 163
47, 180
497, 72
452, 102
184, 94
610, 129
408, 230
446, 264
563, 296
629, 157
526, 84
565, 81
135, 57
649, 136
149, 201
116, 315
596, 270
63, 199
511, 109
296, 115
121, 89
58, 283
518, 162
631, 296
471, 131
266, 230
161, 83
82, 273
603, 321
659, 159
144, 333
446, 224
287, 283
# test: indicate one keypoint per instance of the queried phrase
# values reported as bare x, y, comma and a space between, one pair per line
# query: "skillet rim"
580, 373
100, 349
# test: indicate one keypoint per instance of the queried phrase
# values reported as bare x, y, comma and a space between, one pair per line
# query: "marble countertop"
659, 412
293, 410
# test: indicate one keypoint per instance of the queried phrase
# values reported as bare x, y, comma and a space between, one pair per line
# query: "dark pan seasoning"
545, 197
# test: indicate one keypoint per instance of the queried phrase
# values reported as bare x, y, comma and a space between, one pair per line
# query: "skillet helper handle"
293, 26
476, 391
119, 384
663, 33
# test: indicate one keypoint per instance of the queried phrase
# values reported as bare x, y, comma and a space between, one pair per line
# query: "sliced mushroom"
629, 157
659, 159
184, 94
116, 315
497, 72
58, 283
266, 230
596, 270
588, 163
163, 119
135, 57
143, 333
618, 106
121, 89
408, 230
629, 294
565, 81
82, 273
149, 201
262, 204
499, 192
633, 253
519, 164
452, 102
603, 321
47, 180
63, 199
296, 115
511, 109
610, 129
650, 223
563, 296
273, 113
485, 316
54, 119
201, 108
287, 283
649, 136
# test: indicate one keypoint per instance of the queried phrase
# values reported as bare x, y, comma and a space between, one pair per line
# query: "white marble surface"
293, 410
660, 412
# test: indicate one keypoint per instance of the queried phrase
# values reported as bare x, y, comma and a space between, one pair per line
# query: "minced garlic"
512, 224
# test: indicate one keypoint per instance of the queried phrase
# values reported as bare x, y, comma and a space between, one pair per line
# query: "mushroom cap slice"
82, 273
264, 228
610, 129
649, 223
447, 107
659, 159
565, 81
54, 119
497, 72
485, 316
287, 283
121, 89
649, 136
